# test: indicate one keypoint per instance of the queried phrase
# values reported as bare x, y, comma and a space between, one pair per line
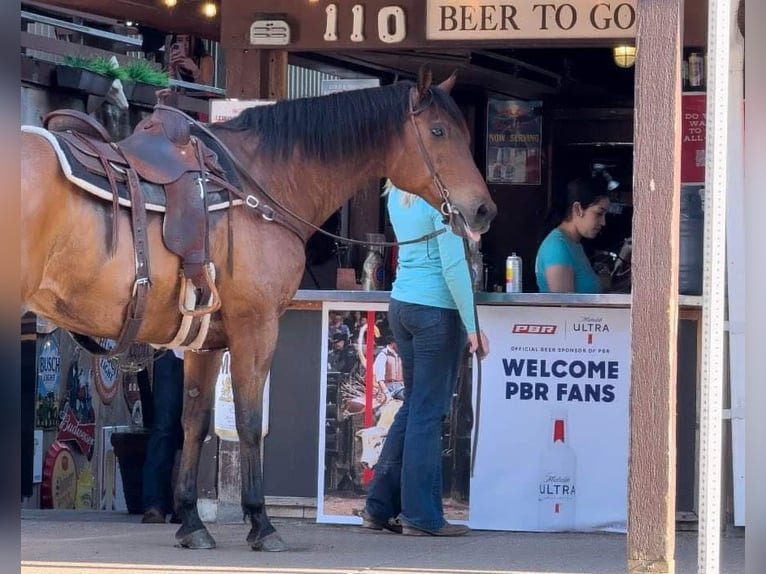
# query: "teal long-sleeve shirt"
433, 272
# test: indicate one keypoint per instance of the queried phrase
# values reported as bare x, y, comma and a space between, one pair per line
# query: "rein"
480, 353
267, 213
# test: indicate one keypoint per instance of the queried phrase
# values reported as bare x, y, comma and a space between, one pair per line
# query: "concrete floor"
79, 542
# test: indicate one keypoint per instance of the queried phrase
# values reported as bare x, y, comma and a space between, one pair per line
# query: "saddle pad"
223, 158
99, 186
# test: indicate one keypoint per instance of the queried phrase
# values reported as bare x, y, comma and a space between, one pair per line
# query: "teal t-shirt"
432, 272
558, 249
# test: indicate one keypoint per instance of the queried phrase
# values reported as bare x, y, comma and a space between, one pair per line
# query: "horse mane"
336, 127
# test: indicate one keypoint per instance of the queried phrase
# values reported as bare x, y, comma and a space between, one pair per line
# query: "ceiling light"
209, 9
170, 3
624, 56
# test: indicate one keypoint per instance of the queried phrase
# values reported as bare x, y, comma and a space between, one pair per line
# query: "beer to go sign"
493, 20
413, 24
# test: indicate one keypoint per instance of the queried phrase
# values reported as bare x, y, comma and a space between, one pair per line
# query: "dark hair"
198, 50
586, 192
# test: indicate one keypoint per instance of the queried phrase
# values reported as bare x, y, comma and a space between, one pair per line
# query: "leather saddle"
160, 151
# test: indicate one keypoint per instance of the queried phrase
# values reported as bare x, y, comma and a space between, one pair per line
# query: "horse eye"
438, 132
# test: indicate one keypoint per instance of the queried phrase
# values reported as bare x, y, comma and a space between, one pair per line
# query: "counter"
302, 410
304, 298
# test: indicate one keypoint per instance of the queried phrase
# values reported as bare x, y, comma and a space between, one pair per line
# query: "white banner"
224, 110
553, 438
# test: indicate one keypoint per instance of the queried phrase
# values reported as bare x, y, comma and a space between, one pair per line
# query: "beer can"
513, 274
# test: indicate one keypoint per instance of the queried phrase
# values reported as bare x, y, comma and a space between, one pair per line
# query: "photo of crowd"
360, 409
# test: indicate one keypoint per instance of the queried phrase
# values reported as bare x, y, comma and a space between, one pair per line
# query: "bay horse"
311, 155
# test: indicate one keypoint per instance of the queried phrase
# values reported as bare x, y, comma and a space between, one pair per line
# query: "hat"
338, 337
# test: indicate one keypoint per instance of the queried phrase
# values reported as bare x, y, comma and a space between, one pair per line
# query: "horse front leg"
200, 373
250, 362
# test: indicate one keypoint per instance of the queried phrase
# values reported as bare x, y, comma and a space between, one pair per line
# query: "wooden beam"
256, 73
654, 311
184, 19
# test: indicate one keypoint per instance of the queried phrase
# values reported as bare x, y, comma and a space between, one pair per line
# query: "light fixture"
170, 3
209, 9
624, 56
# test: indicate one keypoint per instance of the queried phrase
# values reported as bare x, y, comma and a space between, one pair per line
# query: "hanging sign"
514, 140
493, 20
693, 111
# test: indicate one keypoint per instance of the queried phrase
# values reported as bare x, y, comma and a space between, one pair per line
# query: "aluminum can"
513, 274
696, 70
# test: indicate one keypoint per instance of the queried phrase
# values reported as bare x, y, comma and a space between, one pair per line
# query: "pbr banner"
553, 439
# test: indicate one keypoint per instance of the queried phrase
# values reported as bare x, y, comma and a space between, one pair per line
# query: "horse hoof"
271, 543
197, 540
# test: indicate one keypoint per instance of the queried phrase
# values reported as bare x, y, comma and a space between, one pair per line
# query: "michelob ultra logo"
533, 329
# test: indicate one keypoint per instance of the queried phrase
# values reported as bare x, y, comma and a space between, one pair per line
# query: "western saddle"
162, 151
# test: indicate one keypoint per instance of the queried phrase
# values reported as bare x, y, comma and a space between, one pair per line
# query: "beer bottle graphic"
557, 479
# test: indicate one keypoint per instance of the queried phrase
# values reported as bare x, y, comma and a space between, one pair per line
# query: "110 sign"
392, 24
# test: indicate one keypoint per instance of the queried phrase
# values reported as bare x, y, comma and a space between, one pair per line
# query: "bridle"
446, 208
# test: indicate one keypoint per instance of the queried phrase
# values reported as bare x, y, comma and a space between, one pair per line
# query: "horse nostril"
485, 213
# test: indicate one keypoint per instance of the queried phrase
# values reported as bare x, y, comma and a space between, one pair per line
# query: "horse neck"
330, 186
308, 187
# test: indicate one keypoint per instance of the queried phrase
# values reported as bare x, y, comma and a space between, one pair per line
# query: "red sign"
70, 429
59, 486
524, 329
693, 111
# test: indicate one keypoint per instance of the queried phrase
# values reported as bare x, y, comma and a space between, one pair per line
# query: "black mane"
336, 127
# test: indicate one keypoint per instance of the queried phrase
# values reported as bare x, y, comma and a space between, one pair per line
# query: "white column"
714, 287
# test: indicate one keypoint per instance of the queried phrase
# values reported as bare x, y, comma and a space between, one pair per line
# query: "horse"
311, 155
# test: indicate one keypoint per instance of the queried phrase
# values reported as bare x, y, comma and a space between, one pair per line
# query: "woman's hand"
473, 344
184, 63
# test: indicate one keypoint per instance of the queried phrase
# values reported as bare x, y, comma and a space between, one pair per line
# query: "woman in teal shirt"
561, 265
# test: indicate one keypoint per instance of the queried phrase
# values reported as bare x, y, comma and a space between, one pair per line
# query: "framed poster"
514, 140
358, 405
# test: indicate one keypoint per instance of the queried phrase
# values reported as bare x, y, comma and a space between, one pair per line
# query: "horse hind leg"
200, 372
248, 370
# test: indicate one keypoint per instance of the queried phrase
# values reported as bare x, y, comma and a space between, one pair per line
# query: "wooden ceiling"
185, 18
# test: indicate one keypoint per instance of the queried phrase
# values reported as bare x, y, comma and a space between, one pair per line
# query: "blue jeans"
408, 476
167, 433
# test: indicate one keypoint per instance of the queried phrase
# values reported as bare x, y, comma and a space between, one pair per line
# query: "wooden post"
250, 74
256, 74
654, 311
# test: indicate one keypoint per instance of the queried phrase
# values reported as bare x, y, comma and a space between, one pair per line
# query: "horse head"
442, 169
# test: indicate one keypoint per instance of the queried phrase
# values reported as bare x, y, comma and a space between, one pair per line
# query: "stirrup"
214, 302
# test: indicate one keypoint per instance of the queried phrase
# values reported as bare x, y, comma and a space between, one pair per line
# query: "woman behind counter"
562, 265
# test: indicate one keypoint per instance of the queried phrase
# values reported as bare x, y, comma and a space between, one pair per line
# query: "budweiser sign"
71, 429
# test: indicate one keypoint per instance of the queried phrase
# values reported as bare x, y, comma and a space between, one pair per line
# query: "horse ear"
424, 80
449, 83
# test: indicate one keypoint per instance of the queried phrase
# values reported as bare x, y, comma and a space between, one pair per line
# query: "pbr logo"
528, 329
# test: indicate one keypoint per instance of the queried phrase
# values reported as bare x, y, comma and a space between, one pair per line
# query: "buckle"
269, 213
140, 282
252, 201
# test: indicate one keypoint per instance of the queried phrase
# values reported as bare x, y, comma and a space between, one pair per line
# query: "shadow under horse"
79, 253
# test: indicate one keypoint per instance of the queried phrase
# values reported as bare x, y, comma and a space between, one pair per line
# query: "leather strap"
115, 190
137, 306
447, 209
480, 352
